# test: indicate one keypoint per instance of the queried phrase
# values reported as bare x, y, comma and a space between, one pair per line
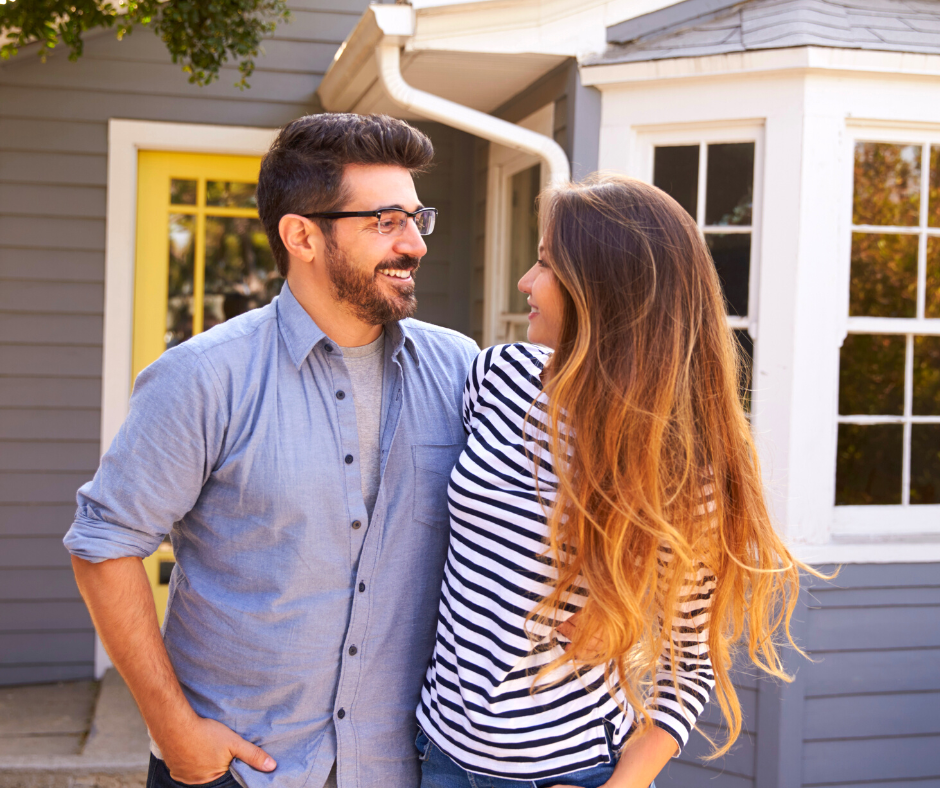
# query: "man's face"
372, 273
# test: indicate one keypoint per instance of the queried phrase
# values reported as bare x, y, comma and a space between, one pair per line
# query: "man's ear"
301, 237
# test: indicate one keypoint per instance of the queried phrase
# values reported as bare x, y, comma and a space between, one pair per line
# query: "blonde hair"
644, 382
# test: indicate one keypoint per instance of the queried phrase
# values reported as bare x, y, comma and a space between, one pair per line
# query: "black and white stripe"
476, 704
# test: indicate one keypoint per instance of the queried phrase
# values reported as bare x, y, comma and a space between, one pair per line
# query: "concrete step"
72, 735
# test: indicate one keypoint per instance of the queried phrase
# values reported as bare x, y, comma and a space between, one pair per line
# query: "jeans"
439, 771
158, 776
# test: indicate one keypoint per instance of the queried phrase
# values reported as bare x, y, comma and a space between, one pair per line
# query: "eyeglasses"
391, 221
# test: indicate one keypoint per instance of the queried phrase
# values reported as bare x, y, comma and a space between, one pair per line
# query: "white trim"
503, 164
125, 139
795, 60
916, 549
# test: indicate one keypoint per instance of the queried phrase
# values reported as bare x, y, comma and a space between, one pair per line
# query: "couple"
370, 517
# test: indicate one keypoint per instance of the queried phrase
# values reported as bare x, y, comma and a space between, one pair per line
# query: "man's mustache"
403, 263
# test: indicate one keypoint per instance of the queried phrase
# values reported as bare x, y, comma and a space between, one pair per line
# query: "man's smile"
396, 273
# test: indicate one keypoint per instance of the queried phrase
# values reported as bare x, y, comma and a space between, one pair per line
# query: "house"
802, 135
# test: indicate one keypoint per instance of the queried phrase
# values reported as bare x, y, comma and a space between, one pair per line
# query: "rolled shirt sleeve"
155, 468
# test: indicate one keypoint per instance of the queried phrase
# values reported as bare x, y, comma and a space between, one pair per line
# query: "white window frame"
896, 521
710, 134
504, 163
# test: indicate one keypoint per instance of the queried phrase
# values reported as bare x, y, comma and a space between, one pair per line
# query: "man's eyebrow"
398, 207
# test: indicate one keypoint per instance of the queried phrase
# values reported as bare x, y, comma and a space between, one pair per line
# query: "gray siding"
869, 700
53, 169
444, 281
481, 153
862, 712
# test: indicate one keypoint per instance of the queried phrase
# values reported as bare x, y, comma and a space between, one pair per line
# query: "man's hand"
203, 753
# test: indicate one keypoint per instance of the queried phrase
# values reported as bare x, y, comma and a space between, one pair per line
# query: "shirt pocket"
433, 464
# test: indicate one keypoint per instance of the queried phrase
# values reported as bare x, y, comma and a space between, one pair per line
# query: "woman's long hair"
645, 382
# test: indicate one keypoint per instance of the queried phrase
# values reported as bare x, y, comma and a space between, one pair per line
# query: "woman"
652, 531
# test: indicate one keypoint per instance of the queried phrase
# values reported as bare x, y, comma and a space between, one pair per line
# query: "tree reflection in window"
889, 382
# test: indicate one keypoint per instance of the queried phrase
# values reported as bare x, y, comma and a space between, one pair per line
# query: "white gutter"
450, 113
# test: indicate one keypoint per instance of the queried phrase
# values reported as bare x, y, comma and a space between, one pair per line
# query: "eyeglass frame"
377, 214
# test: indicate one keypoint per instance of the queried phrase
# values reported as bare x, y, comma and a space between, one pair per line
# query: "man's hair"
303, 171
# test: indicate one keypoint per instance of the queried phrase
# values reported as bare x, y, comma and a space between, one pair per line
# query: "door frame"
125, 139
503, 164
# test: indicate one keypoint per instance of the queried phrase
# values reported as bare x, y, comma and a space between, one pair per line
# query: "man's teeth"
395, 272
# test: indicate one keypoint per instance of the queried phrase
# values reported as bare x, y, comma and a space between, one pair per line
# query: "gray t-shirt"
366, 365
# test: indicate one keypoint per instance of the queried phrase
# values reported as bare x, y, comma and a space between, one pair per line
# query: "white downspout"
450, 113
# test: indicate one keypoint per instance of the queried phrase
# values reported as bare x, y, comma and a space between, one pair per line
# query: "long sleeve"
154, 470
694, 676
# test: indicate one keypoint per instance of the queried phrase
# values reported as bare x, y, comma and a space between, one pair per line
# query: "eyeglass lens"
393, 222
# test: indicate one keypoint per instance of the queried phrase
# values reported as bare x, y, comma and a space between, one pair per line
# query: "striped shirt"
476, 704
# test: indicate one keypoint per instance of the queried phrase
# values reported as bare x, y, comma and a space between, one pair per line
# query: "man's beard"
361, 292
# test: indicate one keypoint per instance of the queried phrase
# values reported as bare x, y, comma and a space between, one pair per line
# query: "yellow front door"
202, 257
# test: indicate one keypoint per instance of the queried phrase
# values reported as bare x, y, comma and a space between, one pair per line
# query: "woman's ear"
301, 237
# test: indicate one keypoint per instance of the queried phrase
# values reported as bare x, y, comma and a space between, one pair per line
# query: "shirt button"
341, 713
340, 394
362, 587
328, 347
349, 459
353, 651
356, 524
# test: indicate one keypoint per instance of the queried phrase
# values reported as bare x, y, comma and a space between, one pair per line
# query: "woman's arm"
643, 758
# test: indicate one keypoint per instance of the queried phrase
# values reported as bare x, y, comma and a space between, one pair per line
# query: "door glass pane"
732, 256
868, 464
240, 270
932, 299
182, 192
523, 233
926, 376
729, 193
933, 204
887, 184
231, 194
871, 375
675, 171
747, 372
925, 463
883, 280
179, 310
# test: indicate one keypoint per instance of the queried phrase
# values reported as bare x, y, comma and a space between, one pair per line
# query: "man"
298, 455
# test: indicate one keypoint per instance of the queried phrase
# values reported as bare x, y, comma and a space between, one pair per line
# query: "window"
714, 181
888, 451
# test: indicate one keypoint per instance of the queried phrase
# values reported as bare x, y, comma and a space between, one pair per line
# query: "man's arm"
196, 750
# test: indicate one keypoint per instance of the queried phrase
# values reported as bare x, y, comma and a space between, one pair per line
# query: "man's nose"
410, 242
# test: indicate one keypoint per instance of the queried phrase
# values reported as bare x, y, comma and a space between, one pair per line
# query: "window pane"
179, 308
240, 270
887, 184
729, 192
871, 375
524, 233
932, 300
933, 203
884, 275
230, 194
925, 463
732, 256
182, 192
675, 171
868, 464
926, 376
747, 373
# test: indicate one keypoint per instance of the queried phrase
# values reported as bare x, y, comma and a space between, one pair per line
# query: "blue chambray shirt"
238, 446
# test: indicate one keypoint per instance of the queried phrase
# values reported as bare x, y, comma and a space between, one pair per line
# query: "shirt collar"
301, 334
